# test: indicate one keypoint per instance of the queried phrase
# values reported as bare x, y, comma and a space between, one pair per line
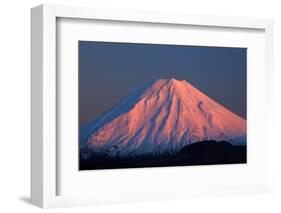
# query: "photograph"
158, 105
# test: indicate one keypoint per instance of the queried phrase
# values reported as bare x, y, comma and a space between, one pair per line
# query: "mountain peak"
170, 81
176, 82
173, 80
172, 85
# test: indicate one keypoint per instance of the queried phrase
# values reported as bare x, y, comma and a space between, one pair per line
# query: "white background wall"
15, 103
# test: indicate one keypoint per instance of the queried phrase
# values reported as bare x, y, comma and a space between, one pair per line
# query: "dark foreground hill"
199, 153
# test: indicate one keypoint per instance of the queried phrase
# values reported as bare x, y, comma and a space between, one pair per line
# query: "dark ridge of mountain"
199, 153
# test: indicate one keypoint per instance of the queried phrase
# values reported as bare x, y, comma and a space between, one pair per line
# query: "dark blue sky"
110, 71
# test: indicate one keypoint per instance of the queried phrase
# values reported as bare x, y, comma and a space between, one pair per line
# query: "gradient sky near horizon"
109, 71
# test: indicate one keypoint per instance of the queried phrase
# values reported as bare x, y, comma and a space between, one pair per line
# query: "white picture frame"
44, 154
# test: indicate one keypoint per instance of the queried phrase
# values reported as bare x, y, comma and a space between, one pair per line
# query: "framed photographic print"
133, 106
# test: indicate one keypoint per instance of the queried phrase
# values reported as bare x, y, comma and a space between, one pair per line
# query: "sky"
109, 71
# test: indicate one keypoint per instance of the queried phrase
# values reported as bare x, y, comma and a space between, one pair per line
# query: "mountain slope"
161, 116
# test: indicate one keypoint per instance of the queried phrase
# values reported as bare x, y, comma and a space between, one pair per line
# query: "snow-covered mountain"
159, 117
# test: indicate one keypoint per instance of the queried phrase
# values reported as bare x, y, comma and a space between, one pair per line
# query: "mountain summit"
161, 116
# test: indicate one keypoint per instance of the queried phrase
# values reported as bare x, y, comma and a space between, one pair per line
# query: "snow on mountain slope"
161, 116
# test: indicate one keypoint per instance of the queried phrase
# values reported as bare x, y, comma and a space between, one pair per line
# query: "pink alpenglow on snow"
159, 117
